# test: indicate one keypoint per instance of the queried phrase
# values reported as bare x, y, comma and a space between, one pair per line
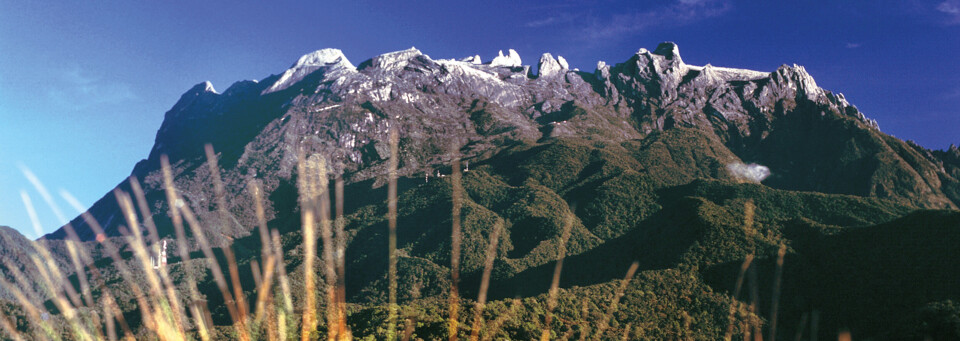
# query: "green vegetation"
878, 267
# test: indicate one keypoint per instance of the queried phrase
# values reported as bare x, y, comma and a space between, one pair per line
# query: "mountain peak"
669, 50
322, 57
204, 86
709, 74
202, 89
391, 61
329, 59
512, 59
208, 87
548, 66
475, 59
796, 77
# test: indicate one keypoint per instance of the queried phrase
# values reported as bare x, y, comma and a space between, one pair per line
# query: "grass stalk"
409, 328
491, 256
179, 205
392, 238
112, 252
340, 241
455, 241
626, 332
775, 298
555, 281
814, 324
93, 319
754, 300
801, 326
736, 292
162, 318
60, 291
844, 335
8, 328
615, 301
199, 317
494, 326
33, 311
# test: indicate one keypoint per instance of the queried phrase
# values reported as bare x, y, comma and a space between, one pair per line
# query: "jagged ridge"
625, 150
323, 105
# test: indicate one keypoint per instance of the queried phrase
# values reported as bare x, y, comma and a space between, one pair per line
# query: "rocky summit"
696, 177
810, 138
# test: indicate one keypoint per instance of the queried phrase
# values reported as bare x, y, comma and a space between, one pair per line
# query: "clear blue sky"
84, 84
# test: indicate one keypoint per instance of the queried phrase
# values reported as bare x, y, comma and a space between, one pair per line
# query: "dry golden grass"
491, 255
615, 300
555, 282
455, 240
165, 317
392, 242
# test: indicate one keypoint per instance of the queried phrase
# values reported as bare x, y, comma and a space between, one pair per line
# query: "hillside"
687, 171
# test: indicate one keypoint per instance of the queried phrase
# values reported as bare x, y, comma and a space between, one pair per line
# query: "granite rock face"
511, 59
808, 137
548, 66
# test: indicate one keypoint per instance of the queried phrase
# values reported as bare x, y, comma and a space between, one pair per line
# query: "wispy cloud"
589, 24
679, 13
76, 89
76, 76
952, 93
951, 8
853, 45
554, 19
542, 22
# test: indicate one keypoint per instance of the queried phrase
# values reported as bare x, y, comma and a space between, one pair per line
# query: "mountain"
685, 169
810, 138
17, 262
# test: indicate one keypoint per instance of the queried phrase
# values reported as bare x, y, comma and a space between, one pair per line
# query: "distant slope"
638, 155
811, 139
18, 267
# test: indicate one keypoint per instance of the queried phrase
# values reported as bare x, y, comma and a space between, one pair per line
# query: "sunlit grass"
165, 313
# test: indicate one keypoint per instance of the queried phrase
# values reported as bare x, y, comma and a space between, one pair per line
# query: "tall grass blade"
844, 335
196, 310
494, 327
8, 328
814, 325
392, 241
775, 299
754, 300
455, 240
801, 326
491, 256
555, 282
736, 292
340, 302
615, 301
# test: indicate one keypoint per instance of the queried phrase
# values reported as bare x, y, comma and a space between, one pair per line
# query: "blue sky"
84, 84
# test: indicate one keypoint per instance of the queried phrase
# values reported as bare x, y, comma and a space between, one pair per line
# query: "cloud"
748, 172
76, 89
952, 9
542, 22
75, 76
555, 15
556, 19
853, 45
949, 7
952, 93
679, 13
